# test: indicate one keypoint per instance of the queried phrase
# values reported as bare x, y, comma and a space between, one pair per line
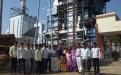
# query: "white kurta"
79, 63
79, 59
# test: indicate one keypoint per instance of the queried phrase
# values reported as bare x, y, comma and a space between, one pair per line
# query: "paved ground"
113, 68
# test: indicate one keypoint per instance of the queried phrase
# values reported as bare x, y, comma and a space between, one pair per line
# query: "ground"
112, 68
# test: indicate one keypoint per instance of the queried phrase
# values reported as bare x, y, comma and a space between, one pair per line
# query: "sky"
32, 5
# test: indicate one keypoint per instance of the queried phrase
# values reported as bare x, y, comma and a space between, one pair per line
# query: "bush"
7, 39
115, 55
4, 50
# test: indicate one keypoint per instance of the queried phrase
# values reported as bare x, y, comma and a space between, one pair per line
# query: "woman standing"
73, 63
69, 60
64, 60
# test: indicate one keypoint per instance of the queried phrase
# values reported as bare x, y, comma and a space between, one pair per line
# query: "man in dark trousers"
85, 54
13, 56
21, 58
95, 51
45, 53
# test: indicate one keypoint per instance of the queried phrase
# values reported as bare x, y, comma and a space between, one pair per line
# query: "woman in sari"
73, 57
69, 61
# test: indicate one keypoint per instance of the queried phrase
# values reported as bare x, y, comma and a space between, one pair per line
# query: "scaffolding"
69, 12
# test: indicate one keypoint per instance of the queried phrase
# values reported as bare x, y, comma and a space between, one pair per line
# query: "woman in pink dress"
73, 57
69, 60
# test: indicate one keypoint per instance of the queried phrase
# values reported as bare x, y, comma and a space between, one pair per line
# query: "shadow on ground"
103, 74
108, 74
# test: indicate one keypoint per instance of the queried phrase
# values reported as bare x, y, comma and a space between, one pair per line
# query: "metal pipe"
1, 8
51, 26
74, 21
37, 27
22, 6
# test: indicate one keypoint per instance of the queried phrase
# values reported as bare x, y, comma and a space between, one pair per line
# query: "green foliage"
7, 40
4, 49
115, 55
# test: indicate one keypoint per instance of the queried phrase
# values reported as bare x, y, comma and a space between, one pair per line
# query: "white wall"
108, 24
20, 25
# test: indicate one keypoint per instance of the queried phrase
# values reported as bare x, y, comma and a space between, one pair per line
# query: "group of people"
38, 59
79, 58
25, 59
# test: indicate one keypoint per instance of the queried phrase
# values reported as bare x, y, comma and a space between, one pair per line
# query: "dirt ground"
113, 68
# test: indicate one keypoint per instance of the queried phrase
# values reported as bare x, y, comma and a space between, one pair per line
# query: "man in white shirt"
28, 58
85, 54
95, 51
21, 58
45, 53
13, 57
78, 58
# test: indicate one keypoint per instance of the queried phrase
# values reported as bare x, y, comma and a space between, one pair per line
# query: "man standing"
32, 67
85, 54
28, 58
21, 58
95, 51
78, 58
38, 60
45, 54
49, 57
13, 56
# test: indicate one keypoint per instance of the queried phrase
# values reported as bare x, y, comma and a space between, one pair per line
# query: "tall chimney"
1, 8
23, 7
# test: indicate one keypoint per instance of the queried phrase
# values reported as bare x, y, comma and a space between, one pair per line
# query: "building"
109, 29
41, 29
21, 24
74, 21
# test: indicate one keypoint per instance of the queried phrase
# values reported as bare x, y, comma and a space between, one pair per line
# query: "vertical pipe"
74, 21
23, 7
51, 26
67, 23
37, 28
82, 17
1, 8
58, 23
18, 29
13, 26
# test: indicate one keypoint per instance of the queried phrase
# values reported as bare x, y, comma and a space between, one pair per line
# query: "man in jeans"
13, 56
21, 58
95, 51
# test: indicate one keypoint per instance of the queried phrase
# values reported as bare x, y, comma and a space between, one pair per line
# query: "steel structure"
86, 10
76, 20
1, 10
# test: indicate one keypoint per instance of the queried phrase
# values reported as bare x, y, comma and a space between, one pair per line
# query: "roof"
106, 15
